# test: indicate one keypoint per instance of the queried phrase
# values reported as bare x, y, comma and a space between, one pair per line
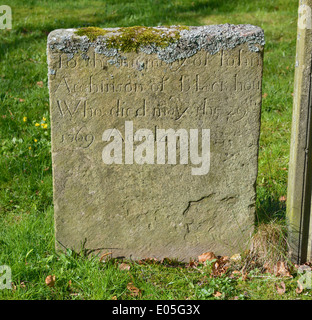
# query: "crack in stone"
195, 201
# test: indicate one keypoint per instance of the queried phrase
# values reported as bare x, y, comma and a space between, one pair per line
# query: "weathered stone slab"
118, 184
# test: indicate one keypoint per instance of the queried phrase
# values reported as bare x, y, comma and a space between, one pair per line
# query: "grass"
26, 210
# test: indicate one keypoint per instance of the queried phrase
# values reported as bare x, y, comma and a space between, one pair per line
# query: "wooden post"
300, 167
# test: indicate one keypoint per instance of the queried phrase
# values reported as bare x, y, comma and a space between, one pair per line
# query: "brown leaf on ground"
192, 264
124, 266
104, 256
217, 294
299, 289
40, 84
236, 257
281, 270
206, 256
281, 289
235, 273
224, 259
50, 281
220, 266
134, 291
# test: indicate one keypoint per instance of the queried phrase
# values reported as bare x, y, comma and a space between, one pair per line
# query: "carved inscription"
196, 83
118, 108
165, 96
156, 158
99, 61
79, 138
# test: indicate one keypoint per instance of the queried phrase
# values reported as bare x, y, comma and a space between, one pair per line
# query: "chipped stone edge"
212, 38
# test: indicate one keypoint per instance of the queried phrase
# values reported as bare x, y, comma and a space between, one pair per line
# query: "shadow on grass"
270, 209
121, 13
30, 26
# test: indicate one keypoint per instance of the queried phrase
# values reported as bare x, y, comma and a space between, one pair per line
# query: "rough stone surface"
209, 79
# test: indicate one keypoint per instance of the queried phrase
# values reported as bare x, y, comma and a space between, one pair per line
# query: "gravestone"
155, 138
300, 164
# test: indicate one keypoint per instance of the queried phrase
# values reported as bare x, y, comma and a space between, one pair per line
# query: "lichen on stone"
168, 43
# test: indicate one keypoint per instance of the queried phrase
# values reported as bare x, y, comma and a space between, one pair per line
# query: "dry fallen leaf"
223, 259
50, 281
192, 264
235, 273
280, 269
104, 255
264, 95
220, 266
299, 289
236, 257
124, 266
217, 294
40, 84
206, 256
134, 290
280, 290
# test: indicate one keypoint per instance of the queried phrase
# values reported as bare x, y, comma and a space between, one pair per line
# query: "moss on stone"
91, 32
128, 39
131, 38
